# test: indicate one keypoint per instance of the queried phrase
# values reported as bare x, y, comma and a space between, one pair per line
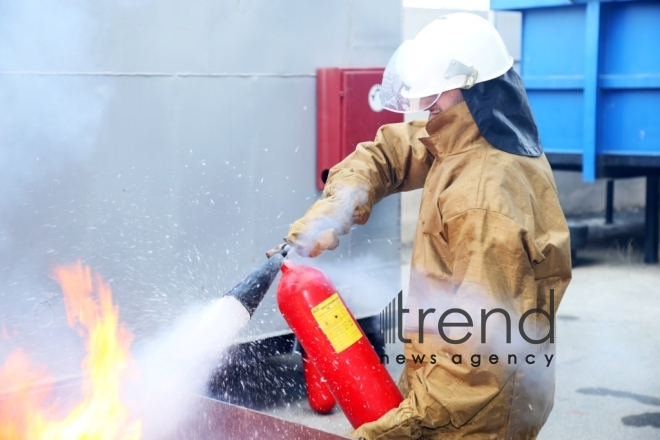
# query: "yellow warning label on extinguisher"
337, 323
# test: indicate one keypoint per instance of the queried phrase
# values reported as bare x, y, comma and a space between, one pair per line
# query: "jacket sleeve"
491, 267
395, 161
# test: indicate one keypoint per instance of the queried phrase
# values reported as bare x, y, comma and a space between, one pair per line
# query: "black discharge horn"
254, 287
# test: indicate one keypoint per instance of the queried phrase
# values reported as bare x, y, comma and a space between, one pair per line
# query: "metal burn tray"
218, 420
210, 419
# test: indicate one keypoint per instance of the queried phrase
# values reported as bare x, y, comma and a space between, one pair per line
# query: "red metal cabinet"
348, 111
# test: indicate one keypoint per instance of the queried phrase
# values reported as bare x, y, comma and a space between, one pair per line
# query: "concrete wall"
578, 198
168, 145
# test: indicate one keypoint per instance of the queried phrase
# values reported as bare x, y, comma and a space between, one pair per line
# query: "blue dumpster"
592, 73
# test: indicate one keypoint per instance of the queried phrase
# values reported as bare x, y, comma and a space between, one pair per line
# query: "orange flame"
101, 414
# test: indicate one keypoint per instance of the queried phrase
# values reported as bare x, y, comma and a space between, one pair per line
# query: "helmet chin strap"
457, 68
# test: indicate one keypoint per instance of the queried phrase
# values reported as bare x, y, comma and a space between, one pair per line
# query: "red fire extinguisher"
319, 395
335, 344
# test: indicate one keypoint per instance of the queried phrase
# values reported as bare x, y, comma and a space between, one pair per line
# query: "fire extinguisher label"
336, 323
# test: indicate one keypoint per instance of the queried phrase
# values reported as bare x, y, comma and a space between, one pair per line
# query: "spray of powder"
176, 365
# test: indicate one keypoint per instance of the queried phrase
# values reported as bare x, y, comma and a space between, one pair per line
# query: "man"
491, 235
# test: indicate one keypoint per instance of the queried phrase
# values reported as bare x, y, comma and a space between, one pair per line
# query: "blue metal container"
592, 73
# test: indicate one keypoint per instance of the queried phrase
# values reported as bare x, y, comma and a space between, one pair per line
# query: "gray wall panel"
203, 37
170, 184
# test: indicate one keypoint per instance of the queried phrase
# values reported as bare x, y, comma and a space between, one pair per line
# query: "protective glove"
394, 425
407, 421
327, 219
318, 230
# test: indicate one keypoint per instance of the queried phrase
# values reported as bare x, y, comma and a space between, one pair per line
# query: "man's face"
446, 100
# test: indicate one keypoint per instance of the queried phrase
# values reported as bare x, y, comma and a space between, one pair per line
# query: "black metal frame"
613, 166
267, 372
651, 220
609, 202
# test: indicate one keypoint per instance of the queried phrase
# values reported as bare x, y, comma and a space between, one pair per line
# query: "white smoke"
49, 125
47, 119
176, 365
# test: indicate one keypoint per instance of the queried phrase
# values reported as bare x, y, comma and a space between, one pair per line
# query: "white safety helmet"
454, 51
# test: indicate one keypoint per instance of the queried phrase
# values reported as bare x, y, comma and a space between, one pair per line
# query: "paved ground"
608, 345
608, 342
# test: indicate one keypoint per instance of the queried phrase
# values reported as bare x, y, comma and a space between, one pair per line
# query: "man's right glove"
407, 421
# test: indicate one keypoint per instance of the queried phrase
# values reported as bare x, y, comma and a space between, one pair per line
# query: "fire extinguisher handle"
282, 249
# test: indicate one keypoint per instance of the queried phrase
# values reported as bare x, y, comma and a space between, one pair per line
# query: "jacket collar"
451, 132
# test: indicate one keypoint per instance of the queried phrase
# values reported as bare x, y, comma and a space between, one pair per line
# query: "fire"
101, 414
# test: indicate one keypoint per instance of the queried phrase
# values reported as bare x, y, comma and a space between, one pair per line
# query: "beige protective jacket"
491, 234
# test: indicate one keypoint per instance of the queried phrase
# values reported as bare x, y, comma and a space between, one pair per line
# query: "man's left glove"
319, 229
328, 218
